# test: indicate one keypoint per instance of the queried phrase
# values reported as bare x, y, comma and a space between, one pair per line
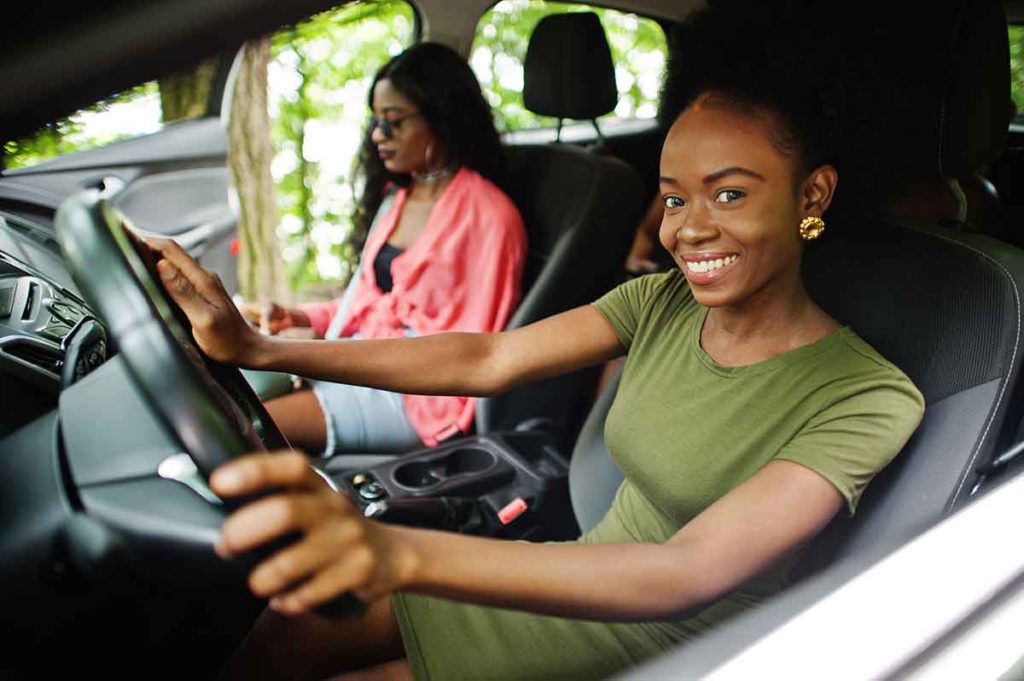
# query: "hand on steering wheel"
217, 325
338, 550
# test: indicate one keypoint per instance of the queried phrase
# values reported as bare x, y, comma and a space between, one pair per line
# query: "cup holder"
457, 462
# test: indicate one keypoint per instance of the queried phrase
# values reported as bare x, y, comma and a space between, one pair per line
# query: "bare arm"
778, 509
453, 363
443, 364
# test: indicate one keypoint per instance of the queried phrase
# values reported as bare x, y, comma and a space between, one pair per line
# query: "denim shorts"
364, 420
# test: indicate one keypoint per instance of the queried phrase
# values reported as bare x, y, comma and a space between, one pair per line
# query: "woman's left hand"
338, 550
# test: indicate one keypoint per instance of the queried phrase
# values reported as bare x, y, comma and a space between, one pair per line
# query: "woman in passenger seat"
746, 419
444, 252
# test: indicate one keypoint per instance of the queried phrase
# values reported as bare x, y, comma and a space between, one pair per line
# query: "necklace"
434, 175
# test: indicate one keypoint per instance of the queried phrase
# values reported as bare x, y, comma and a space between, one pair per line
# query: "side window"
137, 111
639, 52
1017, 68
318, 80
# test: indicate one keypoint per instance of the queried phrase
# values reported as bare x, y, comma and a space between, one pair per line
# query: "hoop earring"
427, 157
811, 228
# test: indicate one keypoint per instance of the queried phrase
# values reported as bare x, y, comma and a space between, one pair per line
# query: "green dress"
685, 431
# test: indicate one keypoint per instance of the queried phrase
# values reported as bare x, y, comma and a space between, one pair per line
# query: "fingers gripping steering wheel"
207, 406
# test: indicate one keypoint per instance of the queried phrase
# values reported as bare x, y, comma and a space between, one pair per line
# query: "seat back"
945, 307
580, 211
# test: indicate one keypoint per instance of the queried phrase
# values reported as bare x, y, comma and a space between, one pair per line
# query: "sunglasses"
389, 125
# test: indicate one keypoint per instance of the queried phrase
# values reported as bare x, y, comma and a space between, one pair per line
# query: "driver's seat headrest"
960, 120
568, 71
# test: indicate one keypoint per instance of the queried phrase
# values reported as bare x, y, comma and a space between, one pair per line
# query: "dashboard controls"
84, 348
42, 324
372, 491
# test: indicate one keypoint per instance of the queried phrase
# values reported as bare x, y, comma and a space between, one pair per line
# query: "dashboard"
48, 335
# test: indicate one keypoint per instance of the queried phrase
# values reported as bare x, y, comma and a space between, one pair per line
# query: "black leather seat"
581, 210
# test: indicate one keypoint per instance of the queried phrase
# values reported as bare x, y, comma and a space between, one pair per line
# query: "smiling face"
411, 136
734, 201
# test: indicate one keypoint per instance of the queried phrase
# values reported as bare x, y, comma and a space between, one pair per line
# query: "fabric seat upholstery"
581, 210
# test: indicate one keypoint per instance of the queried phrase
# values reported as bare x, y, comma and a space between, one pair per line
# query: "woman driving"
746, 419
444, 252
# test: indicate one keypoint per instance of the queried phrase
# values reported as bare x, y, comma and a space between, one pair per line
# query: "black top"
382, 266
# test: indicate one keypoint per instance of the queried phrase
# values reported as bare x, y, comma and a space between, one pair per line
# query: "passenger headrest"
962, 120
568, 70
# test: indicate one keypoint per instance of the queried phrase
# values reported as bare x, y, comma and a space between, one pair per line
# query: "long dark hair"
441, 84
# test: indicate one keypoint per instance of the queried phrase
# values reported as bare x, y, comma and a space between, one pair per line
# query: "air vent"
6, 299
47, 359
30, 301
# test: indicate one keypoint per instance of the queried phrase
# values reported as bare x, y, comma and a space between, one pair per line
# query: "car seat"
943, 305
581, 210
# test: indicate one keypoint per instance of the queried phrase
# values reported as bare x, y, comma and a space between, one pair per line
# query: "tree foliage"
186, 94
75, 133
320, 73
1017, 66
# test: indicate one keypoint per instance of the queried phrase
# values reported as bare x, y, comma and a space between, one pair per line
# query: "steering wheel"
207, 406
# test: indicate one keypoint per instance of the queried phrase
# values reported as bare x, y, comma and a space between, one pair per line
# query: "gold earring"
811, 228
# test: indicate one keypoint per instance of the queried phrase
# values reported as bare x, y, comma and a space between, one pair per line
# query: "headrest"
977, 108
959, 122
568, 70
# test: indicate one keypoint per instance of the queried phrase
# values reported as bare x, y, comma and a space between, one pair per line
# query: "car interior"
113, 419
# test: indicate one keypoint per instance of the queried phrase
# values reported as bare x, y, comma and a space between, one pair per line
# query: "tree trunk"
185, 94
260, 269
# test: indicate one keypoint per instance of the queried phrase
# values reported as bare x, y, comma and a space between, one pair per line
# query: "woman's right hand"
336, 550
218, 327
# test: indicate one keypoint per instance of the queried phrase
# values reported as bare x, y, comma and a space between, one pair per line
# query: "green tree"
186, 94
323, 68
71, 133
1017, 66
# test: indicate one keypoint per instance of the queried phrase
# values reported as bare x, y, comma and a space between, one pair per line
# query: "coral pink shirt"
462, 273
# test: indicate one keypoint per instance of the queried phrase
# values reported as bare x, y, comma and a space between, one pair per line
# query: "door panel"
175, 184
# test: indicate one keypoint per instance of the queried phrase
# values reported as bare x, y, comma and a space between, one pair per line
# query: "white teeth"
710, 265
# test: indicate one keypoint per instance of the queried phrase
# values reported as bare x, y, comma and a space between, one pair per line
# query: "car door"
171, 182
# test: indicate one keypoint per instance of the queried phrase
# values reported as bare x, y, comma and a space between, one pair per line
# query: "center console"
508, 484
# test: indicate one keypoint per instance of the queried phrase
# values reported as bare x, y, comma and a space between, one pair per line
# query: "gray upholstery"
580, 210
945, 307
568, 70
593, 477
